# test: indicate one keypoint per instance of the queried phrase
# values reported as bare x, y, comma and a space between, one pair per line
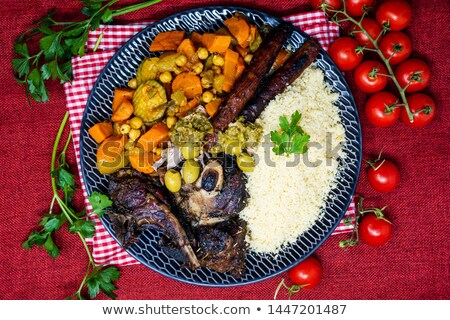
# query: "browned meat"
248, 83
281, 78
139, 205
218, 195
223, 247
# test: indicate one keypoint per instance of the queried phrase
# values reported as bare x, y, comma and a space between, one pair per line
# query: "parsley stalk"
96, 277
58, 43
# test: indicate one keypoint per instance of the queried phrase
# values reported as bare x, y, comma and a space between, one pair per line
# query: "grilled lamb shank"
218, 195
138, 205
222, 248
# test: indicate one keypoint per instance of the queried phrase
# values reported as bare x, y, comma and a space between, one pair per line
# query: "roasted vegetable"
191, 129
190, 84
187, 48
123, 111
101, 131
149, 100
110, 154
147, 70
240, 29
212, 107
153, 137
119, 95
167, 41
141, 160
216, 43
229, 69
168, 62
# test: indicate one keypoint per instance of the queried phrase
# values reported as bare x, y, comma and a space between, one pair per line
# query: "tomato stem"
376, 49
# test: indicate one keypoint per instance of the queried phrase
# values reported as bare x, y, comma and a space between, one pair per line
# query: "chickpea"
136, 123
170, 121
125, 128
217, 70
190, 171
181, 60
207, 96
165, 77
197, 68
205, 83
218, 60
132, 83
245, 162
189, 151
172, 180
134, 134
202, 53
248, 58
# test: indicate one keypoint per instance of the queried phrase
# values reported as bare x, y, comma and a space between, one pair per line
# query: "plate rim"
350, 98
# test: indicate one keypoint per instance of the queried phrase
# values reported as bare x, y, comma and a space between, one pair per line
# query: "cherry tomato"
423, 108
413, 70
383, 176
355, 8
333, 4
369, 76
395, 13
374, 231
379, 109
307, 273
344, 53
373, 29
395, 44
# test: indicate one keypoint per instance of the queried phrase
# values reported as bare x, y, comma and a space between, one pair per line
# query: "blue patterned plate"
122, 67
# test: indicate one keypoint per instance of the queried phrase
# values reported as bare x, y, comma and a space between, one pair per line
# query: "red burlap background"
413, 265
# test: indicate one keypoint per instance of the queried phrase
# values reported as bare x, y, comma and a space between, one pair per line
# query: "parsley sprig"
292, 138
63, 185
58, 43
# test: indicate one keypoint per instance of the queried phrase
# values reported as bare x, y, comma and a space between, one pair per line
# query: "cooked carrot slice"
212, 106
119, 95
167, 41
216, 43
240, 29
153, 137
101, 131
123, 112
189, 83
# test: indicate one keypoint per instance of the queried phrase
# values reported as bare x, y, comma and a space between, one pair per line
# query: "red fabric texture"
413, 265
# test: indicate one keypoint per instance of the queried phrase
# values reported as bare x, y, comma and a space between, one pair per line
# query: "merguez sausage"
248, 83
281, 78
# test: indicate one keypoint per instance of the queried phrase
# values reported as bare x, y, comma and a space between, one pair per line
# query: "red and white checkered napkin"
86, 71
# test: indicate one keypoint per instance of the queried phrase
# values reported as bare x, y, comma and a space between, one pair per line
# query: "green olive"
190, 151
233, 147
245, 162
191, 171
172, 180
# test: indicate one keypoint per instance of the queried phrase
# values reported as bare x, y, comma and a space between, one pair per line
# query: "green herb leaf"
101, 279
86, 228
35, 238
99, 203
292, 138
51, 247
52, 222
21, 66
21, 49
107, 16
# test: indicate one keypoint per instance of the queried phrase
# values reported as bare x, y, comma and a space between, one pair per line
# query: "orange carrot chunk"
119, 95
196, 38
110, 154
193, 103
101, 131
212, 106
240, 67
216, 43
187, 48
123, 112
153, 137
240, 29
142, 161
229, 69
189, 83
167, 41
